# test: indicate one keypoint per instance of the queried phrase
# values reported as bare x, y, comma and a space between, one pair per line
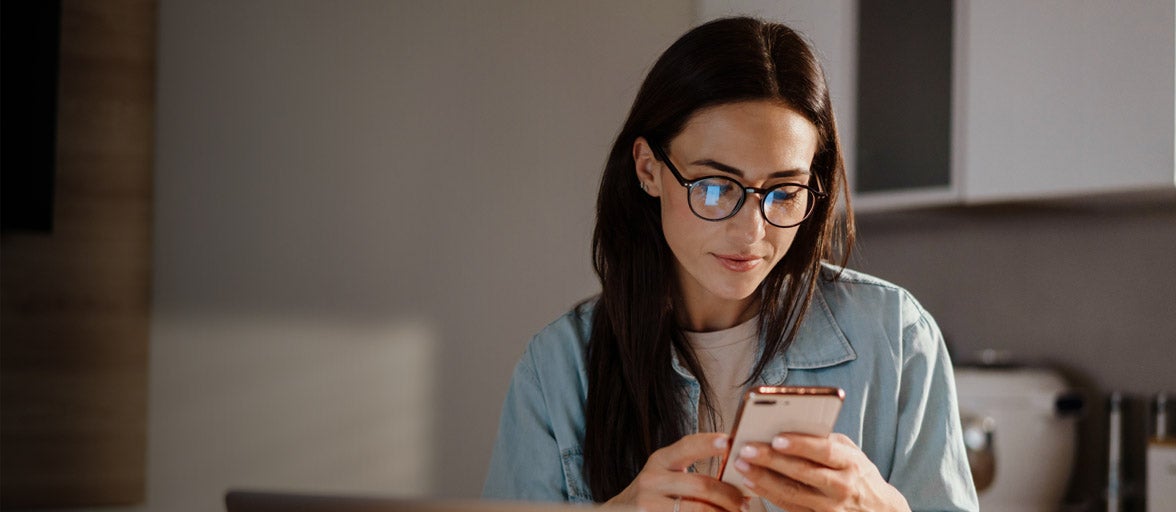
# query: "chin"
737, 292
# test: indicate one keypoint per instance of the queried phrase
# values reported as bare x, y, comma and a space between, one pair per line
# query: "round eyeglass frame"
816, 192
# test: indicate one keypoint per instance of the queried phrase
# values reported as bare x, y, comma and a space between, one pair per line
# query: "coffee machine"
1020, 430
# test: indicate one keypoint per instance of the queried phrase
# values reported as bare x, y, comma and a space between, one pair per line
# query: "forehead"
755, 135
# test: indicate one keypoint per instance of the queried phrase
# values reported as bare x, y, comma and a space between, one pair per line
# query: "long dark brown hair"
636, 404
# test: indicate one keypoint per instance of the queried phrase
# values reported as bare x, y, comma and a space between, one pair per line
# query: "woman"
716, 209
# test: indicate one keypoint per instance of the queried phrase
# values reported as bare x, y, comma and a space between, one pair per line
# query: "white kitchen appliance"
1021, 433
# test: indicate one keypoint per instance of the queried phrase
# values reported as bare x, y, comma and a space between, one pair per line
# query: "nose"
748, 224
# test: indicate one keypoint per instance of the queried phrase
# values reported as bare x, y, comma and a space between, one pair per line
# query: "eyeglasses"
716, 198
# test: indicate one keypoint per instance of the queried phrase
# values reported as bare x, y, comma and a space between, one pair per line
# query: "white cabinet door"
1058, 98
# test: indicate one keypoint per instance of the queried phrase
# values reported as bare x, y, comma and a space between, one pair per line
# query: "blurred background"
349, 217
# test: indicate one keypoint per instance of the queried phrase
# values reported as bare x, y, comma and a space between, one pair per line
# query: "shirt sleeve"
526, 462
930, 463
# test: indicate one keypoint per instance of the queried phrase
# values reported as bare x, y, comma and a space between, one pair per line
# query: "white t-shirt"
726, 358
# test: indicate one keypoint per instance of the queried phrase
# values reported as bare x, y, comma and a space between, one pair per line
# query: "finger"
690, 449
827, 481
704, 489
781, 490
835, 451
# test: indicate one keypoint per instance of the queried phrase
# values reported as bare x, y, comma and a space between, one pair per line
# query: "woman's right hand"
666, 485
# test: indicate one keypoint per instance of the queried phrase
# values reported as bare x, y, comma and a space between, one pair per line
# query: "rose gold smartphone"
769, 410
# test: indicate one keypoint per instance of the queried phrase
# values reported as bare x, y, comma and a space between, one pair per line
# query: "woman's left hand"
807, 473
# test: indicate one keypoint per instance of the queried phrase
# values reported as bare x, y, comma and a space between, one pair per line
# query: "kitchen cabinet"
904, 102
1047, 99
1063, 98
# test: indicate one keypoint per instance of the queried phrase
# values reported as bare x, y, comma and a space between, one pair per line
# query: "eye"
785, 194
717, 191
788, 197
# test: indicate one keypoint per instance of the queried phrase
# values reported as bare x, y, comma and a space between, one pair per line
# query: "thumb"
689, 449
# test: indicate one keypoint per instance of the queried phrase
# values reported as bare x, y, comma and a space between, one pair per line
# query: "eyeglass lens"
717, 198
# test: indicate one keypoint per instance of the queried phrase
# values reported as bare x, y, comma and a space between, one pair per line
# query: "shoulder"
846, 280
873, 313
559, 349
570, 331
849, 293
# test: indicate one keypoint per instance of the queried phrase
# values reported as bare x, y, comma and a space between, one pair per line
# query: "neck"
716, 315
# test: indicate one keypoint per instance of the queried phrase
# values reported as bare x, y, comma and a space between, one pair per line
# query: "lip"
738, 262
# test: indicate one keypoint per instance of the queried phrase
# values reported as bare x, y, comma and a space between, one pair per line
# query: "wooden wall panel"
75, 302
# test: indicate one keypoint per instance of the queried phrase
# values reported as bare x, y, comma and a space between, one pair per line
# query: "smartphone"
769, 410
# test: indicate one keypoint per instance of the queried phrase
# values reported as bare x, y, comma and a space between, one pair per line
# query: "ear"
647, 167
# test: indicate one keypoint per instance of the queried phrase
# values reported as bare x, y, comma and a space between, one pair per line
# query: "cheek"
783, 242
683, 230
676, 215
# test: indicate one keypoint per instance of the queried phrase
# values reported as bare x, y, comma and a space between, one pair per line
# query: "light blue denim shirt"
864, 335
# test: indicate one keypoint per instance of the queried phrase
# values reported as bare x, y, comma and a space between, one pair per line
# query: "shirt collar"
819, 343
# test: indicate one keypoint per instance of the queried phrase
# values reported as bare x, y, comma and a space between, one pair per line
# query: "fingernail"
780, 443
742, 465
748, 484
746, 506
721, 442
748, 451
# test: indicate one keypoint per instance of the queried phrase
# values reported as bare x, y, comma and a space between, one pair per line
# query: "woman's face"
720, 264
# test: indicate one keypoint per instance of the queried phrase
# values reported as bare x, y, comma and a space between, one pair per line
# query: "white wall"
364, 210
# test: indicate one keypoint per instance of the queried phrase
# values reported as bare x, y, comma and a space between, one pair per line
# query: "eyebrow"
722, 167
